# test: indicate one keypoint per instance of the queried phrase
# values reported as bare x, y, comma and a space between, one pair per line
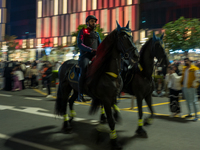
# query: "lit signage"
48, 50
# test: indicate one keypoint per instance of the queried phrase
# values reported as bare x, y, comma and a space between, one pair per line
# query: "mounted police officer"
88, 41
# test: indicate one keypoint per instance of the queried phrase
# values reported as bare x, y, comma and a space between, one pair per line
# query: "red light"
86, 31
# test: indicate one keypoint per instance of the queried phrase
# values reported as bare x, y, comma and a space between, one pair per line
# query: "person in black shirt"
88, 41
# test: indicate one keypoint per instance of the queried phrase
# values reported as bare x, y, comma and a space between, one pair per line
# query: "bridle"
126, 51
153, 54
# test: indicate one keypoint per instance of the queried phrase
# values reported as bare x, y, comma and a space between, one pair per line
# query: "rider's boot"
80, 89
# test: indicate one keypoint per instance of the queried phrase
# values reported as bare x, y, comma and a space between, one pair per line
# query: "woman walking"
17, 86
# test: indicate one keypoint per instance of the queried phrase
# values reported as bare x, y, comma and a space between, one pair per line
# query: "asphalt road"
27, 122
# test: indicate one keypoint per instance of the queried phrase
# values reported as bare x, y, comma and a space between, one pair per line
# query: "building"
57, 19
3, 12
21, 18
156, 13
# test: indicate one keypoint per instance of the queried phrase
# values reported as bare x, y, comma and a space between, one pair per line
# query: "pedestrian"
23, 69
8, 76
47, 79
17, 85
34, 73
190, 83
174, 90
45, 68
1, 75
159, 88
28, 75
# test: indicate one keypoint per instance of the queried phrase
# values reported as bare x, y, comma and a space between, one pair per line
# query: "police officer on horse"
88, 41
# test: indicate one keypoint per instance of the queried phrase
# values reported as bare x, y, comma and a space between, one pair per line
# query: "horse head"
125, 43
158, 50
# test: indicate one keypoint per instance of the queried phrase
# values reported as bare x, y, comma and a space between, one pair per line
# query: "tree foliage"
98, 29
183, 33
10, 42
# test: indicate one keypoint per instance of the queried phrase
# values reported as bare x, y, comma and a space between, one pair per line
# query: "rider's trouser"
83, 63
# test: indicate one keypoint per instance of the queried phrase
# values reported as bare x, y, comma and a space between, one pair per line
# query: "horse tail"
59, 103
95, 106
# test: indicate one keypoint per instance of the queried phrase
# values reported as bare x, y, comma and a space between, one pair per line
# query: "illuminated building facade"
57, 19
2, 19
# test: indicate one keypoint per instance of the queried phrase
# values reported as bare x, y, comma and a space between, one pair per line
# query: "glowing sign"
48, 50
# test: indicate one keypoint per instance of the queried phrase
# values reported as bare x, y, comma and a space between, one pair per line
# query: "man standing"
190, 83
88, 41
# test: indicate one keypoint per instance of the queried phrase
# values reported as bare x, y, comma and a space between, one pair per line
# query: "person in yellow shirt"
189, 82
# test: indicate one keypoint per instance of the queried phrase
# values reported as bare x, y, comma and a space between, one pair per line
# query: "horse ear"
118, 26
154, 37
161, 37
127, 26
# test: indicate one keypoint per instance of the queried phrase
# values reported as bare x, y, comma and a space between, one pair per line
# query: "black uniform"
87, 40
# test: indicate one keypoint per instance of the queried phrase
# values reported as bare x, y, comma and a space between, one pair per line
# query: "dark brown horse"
139, 81
103, 80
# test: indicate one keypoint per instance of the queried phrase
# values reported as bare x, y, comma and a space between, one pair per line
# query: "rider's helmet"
90, 17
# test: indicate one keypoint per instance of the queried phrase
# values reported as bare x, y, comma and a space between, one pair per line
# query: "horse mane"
144, 46
102, 54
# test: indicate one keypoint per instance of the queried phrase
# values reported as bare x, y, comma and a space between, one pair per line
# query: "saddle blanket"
74, 74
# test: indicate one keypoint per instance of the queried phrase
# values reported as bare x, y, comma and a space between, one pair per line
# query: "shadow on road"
83, 137
175, 119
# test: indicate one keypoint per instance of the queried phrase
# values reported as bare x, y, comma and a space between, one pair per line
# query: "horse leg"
103, 118
71, 104
116, 114
111, 122
140, 131
66, 90
149, 120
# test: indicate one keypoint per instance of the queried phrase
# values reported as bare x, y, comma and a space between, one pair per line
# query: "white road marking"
31, 98
34, 110
5, 95
39, 146
3, 107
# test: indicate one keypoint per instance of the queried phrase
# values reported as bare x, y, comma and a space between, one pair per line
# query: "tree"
98, 29
183, 33
10, 42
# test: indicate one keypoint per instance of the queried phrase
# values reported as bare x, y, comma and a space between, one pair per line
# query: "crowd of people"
16, 76
181, 78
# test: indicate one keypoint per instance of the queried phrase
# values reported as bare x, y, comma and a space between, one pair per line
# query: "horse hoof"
115, 145
67, 127
141, 133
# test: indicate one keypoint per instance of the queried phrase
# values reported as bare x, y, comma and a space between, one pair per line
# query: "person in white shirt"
174, 86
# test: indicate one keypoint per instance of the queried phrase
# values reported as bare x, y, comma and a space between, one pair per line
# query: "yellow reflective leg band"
113, 134
140, 122
102, 110
116, 108
140, 67
72, 113
66, 118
